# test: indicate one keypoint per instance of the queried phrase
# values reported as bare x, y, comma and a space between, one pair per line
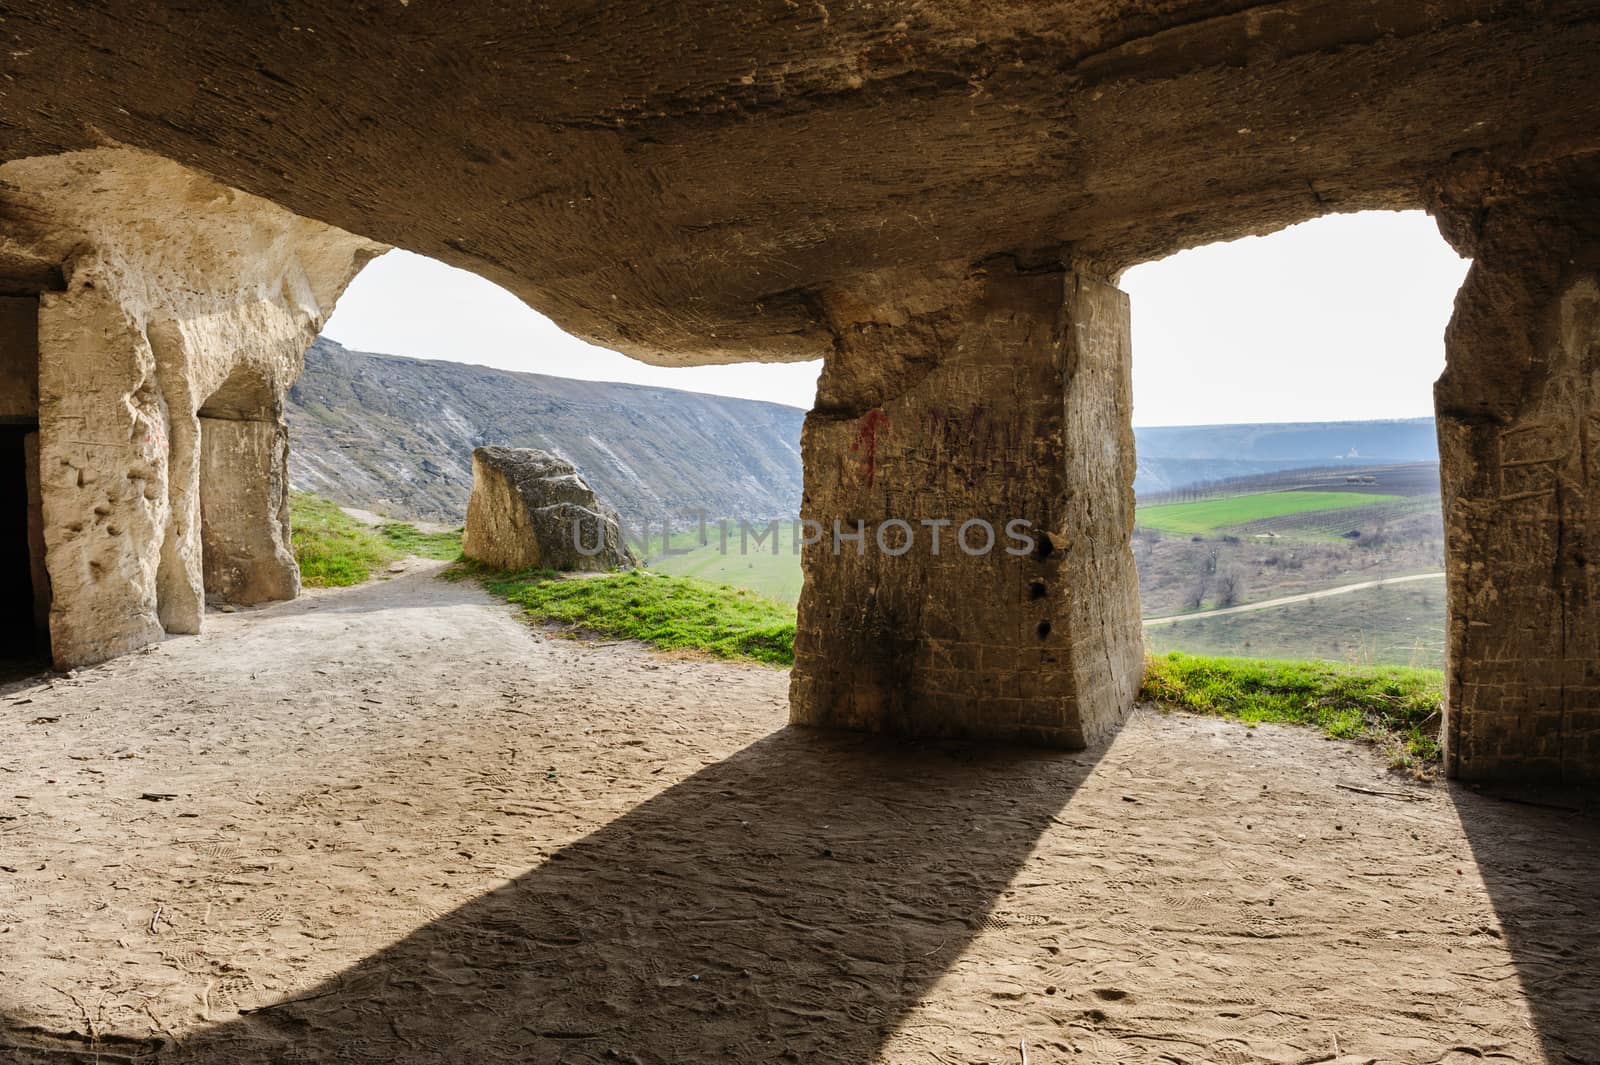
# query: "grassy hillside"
335, 551
396, 435
672, 613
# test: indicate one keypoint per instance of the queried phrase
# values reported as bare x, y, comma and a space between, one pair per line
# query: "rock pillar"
173, 314
103, 474
1519, 440
244, 511
989, 408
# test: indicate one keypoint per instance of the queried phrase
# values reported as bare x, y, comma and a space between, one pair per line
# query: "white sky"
405, 304
1339, 318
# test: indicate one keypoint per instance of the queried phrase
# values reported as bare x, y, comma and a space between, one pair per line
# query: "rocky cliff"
396, 435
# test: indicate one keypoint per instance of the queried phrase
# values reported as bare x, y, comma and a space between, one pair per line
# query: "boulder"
530, 509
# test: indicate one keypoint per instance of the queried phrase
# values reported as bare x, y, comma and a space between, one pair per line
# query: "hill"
396, 435
1173, 457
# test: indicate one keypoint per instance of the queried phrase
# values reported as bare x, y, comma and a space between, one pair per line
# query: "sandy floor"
391, 824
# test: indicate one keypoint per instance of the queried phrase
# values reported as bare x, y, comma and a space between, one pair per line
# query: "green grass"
777, 576
1395, 624
672, 613
1398, 707
409, 540
1395, 707
335, 551
1212, 516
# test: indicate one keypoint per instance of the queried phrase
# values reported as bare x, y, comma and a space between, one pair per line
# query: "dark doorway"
24, 636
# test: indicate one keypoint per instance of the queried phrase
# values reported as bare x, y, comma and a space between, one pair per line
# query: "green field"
1397, 625
1213, 516
774, 576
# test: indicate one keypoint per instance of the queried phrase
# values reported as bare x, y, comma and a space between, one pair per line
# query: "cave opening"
1288, 466
24, 584
24, 588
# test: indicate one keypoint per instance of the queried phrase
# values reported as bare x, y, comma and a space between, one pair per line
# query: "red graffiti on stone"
866, 442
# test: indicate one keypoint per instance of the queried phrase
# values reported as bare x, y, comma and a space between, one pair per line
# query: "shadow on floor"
20, 674
1537, 862
694, 929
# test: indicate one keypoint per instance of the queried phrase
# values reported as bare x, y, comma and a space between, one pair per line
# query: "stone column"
960, 401
244, 511
102, 472
1519, 441
163, 289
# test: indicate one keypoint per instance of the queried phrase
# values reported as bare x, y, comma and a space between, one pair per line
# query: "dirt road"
392, 824
1268, 604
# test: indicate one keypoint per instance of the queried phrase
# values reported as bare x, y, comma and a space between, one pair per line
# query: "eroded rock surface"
165, 304
676, 181
970, 466
532, 510
1519, 444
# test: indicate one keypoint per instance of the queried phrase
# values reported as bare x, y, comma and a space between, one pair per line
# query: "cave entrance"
24, 586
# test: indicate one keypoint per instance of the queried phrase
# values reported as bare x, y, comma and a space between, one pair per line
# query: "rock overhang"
686, 183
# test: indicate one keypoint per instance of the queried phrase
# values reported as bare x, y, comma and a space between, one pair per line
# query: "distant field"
774, 576
1400, 625
1308, 517
1212, 516
1403, 479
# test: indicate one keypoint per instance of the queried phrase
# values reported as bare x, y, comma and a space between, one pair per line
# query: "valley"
1327, 531
1228, 514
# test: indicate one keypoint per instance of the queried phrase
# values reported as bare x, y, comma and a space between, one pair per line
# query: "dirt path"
367, 517
1304, 597
402, 828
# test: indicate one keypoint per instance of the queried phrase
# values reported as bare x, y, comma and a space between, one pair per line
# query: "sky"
1336, 319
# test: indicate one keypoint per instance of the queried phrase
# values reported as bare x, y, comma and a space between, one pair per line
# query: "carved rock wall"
162, 286
986, 395
1519, 440
244, 511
